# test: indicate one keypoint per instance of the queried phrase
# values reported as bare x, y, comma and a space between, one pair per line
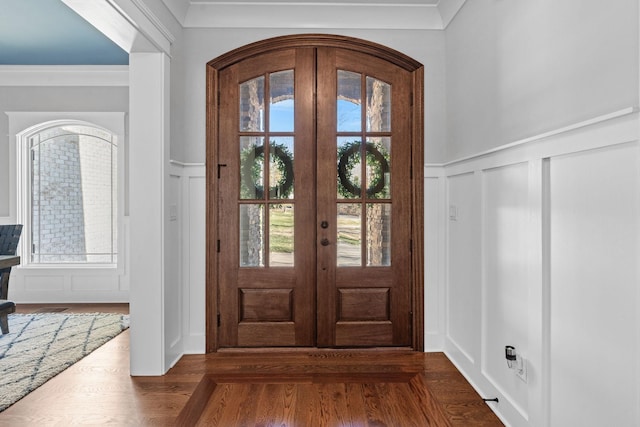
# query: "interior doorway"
314, 184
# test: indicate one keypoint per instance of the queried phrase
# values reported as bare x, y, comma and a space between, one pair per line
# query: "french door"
311, 198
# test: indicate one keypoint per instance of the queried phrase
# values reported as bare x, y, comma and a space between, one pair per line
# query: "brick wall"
74, 210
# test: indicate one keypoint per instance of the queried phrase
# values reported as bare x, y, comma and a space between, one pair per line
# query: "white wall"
595, 311
543, 171
48, 98
67, 94
542, 255
517, 68
200, 46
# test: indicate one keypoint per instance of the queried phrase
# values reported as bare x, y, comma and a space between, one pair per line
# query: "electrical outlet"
521, 370
453, 213
173, 213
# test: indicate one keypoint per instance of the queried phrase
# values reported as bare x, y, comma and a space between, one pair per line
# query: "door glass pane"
349, 102
251, 167
281, 232
349, 239
281, 105
378, 168
251, 235
252, 105
378, 234
281, 161
349, 168
378, 106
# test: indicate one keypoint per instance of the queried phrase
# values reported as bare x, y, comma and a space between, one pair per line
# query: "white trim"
191, 218
154, 20
493, 406
23, 177
619, 128
313, 15
186, 165
95, 283
124, 22
449, 10
408, 14
611, 129
543, 136
544, 400
64, 75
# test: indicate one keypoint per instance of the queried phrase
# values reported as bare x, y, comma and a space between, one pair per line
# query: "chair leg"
4, 283
4, 323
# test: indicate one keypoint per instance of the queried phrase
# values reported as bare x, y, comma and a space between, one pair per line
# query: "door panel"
314, 200
364, 267
266, 296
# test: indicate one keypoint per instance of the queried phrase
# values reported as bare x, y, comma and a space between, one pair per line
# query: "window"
70, 194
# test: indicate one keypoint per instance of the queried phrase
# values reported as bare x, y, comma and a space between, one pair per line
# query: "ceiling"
47, 32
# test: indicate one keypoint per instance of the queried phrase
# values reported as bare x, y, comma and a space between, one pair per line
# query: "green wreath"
348, 156
251, 171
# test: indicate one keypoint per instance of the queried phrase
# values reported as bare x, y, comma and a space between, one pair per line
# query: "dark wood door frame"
417, 163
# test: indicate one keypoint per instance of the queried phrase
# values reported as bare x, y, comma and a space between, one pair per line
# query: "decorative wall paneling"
434, 271
61, 284
541, 249
188, 197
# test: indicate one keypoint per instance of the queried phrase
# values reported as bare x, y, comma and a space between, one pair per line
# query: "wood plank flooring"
276, 388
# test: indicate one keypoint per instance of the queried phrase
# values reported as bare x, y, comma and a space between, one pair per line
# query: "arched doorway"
314, 186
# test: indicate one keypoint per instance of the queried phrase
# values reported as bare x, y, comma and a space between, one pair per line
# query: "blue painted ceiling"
47, 32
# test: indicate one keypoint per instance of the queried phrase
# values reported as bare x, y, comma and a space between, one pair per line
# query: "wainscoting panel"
191, 212
45, 284
196, 261
59, 284
173, 276
594, 287
434, 230
91, 283
542, 244
505, 285
464, 274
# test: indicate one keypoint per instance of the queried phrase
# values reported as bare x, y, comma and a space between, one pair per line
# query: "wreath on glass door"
348, 157
252, 171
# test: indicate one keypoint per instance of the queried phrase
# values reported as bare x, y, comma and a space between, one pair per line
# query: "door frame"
417, 164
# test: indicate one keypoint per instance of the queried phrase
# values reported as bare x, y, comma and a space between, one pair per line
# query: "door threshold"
314, 349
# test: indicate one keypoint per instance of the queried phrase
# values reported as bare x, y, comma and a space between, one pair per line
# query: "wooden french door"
311, 198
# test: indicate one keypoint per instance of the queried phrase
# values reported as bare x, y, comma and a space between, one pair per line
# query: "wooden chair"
9, 238
6, 308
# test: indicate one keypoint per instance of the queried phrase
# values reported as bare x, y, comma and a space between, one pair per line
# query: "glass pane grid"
266, 202
363, 171
73, 196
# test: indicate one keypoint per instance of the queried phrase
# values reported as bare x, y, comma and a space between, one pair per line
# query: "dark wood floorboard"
284, 388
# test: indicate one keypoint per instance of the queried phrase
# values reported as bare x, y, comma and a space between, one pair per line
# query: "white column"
149, 156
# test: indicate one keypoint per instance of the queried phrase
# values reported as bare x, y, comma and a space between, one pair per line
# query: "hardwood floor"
231, 388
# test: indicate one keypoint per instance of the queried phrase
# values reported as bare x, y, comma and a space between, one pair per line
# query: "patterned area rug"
39, 346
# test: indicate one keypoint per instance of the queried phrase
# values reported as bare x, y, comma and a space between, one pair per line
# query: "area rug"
41, 345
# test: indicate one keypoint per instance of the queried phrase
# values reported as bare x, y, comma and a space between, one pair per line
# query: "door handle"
324, 242
324, 224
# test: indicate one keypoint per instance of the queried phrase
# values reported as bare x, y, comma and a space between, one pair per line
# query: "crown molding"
448, 10
129, 23
64, 75
312, 16
329, 14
